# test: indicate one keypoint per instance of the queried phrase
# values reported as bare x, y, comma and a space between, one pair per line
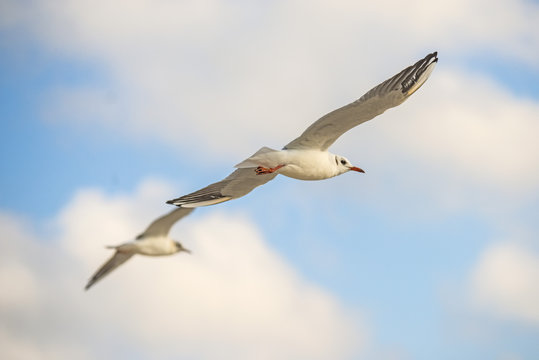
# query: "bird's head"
179, 247
343, 165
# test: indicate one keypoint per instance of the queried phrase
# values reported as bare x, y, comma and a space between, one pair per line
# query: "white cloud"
229, 77
505, 283
471, 127
234, 295
222, 79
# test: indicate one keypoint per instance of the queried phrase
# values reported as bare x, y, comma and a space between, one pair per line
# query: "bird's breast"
308, 165
156, 246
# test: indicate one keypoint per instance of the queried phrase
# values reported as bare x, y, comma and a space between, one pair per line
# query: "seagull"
154, 241
306, 157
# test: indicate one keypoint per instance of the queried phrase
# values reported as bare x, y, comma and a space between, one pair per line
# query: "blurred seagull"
307, 158
154, 241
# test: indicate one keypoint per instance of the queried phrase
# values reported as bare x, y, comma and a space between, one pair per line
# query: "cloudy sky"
110, 108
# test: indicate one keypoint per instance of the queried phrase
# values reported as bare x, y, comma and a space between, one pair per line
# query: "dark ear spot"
336, 160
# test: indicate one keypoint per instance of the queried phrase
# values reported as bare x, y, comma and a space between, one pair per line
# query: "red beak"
354, 168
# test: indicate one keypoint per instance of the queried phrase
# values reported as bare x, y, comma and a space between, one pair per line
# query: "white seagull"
154, 241
307, 158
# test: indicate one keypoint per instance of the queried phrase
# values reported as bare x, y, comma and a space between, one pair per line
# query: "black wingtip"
410, 83
172, 202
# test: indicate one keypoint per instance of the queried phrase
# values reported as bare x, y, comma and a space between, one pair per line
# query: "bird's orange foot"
263, 170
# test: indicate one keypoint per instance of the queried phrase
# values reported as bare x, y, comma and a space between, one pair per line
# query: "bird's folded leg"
263, 170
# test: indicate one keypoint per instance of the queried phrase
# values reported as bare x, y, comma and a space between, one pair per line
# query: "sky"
108, 109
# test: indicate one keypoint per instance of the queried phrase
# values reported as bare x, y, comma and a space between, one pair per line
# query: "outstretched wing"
392, 92
116, 260
161, 226
239, 183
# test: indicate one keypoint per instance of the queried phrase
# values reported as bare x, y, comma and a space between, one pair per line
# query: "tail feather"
252, 161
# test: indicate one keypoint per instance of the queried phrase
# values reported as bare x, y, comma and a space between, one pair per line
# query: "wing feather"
116, 260
161, 226
239, 183
390, 93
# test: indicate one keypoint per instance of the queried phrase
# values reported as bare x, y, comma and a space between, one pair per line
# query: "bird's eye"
343, 161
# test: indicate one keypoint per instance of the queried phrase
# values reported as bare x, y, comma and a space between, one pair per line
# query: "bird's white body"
301, 164
149, 246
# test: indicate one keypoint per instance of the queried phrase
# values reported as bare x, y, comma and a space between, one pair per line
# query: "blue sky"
110, 109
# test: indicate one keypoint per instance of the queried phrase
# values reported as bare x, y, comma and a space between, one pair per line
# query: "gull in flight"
154, 241
306, 157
